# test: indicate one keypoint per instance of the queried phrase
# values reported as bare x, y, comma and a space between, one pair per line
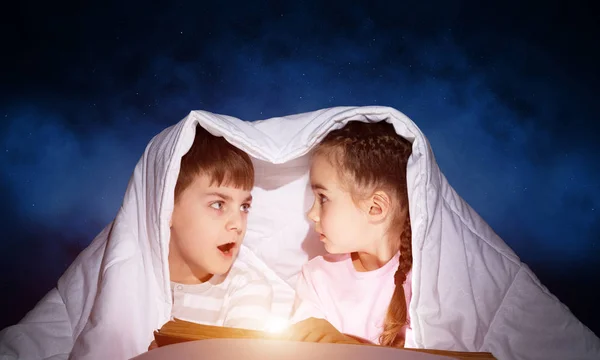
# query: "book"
179, 331
176, 331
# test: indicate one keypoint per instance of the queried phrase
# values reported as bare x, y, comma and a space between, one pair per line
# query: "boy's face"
207, 228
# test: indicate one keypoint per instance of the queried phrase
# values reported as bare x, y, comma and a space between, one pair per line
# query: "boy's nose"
235, 223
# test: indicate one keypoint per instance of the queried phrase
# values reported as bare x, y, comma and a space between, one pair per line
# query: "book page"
260, 349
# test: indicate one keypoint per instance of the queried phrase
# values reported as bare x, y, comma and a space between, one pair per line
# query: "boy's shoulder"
243, 272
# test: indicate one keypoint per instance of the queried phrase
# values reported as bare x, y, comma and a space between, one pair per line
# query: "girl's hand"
316, 330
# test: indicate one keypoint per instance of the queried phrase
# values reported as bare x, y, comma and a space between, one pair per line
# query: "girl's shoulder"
330, 264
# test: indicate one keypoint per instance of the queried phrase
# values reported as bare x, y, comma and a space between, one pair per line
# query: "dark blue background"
505, 92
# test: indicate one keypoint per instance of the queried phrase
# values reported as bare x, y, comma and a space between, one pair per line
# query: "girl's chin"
331, 249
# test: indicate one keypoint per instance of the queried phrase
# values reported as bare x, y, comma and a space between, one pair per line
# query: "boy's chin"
223, 268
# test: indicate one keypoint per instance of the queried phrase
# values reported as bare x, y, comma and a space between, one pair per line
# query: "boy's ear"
379, 206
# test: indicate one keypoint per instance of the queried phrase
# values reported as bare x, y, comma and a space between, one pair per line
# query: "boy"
212, 200
169, 252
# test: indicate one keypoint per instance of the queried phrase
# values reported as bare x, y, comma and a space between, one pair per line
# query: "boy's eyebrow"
219, 194
226, 197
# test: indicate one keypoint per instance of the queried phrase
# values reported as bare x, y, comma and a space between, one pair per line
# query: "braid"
396, 317
405, 255
368, 155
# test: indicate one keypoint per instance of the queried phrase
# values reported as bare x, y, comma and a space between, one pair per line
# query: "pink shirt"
354, 302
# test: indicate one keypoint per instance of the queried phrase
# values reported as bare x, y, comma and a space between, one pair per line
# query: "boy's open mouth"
226, 248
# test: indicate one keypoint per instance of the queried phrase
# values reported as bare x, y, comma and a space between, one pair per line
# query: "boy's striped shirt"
244, 298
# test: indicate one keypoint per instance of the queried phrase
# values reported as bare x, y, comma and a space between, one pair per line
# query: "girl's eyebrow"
318, 186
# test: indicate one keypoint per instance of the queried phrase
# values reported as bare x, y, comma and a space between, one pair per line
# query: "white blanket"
470, 291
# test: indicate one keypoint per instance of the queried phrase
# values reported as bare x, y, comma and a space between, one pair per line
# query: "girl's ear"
379, 206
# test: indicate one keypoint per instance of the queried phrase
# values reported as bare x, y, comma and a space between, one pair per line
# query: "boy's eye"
245, 207
217, 205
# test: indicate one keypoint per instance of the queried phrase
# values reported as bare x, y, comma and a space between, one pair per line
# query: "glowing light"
276, 325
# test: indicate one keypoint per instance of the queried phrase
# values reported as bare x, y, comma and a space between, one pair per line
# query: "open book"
178, 331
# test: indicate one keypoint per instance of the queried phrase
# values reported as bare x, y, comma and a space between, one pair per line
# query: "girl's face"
342, 225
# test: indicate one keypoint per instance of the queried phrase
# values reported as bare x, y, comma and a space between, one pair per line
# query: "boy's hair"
213, 156
370, 157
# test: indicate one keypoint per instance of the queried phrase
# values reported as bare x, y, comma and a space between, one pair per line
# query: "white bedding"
470, 291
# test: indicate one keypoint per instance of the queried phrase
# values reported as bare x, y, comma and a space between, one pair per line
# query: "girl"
358, 176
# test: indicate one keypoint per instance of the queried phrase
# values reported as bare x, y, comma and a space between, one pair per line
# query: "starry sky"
505, 91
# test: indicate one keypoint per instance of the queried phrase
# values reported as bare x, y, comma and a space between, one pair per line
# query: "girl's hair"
213, 156
370, 157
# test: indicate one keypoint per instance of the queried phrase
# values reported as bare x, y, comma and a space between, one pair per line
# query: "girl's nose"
313, 214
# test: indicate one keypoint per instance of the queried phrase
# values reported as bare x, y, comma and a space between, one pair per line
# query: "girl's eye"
322, 198
245, 208
217, 205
